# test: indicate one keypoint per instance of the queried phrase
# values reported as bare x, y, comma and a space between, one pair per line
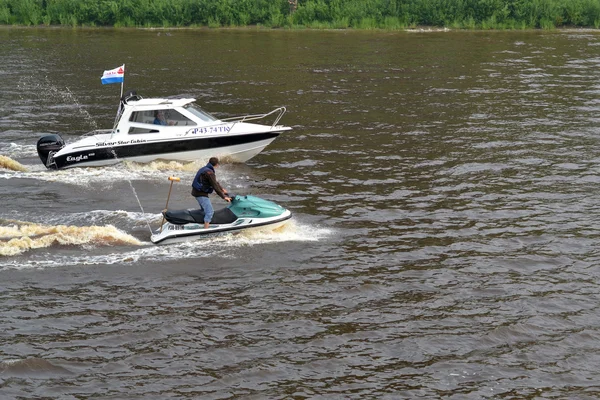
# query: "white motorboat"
186, 133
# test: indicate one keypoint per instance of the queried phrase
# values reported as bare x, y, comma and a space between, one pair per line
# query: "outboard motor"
47, 146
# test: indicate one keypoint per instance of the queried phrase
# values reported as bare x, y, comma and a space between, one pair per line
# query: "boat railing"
228, 121
279, 111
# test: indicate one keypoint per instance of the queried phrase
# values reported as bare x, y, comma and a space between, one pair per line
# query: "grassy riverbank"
320, 14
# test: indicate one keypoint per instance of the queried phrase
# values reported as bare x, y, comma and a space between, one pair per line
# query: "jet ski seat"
196, 215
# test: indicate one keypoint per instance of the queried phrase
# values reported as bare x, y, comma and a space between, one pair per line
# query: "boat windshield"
200, 113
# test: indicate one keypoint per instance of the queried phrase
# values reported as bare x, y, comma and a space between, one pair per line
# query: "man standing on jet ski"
204, 184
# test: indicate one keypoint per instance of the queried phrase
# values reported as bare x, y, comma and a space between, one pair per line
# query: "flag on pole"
116, 75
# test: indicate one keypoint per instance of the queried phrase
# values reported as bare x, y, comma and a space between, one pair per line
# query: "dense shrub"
363, 14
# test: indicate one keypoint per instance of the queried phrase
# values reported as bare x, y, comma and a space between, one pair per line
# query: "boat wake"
10, 164
220, 246
88, 177
159, 165
223, 245
292, 231
10, 169
24, 236
14, 150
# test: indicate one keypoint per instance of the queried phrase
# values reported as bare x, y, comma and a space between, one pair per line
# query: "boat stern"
47, 147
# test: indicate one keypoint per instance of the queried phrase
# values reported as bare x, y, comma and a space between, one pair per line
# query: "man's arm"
213, 182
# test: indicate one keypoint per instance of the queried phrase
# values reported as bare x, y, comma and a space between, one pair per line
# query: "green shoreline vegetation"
315, 14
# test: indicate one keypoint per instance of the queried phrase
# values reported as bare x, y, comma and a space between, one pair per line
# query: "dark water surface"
445, 188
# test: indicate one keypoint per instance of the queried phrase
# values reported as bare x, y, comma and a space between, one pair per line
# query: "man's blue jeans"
207, 207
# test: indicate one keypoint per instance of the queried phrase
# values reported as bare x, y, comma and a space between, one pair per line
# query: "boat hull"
237, 148
171, 233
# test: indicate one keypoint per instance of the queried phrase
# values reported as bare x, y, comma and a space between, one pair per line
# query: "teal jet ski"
243, 213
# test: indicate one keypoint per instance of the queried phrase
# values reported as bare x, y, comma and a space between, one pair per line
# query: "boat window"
200, 113
143, 117
176, 118
170, 118
134, 130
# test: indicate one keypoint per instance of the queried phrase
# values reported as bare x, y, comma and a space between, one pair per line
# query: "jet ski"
243, 213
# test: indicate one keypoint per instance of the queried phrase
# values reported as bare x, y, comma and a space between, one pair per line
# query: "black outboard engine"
47, 146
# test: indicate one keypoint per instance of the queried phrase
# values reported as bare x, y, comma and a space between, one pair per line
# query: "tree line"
336, 14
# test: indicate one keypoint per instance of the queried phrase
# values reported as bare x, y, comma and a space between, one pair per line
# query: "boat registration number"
211, 129
185, 227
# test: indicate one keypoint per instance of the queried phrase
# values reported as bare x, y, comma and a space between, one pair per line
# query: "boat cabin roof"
153, 103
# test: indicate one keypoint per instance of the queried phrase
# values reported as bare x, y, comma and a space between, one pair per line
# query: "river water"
445, 189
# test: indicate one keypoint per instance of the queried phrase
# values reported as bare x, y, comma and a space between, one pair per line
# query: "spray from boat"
54, 93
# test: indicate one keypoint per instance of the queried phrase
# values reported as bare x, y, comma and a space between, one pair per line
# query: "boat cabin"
155, 115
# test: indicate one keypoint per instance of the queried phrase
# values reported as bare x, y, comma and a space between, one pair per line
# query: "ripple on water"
443, 244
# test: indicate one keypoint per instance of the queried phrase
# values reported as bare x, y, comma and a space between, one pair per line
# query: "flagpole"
122, 81
120, 102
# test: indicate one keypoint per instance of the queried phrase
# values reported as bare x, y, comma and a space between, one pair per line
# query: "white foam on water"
14, 150
87, 177
157, 171
292, 231
148, 252
11, 361
96, 217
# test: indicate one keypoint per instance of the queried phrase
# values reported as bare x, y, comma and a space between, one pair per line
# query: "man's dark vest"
201, 182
